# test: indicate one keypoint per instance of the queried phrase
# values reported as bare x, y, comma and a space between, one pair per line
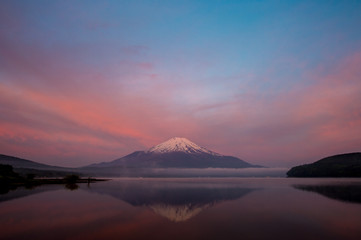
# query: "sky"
275, 83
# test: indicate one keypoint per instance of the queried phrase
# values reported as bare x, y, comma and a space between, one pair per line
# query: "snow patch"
178, 144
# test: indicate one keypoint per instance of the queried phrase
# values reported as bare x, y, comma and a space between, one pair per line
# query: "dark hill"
343, 165
23, 163
24, 167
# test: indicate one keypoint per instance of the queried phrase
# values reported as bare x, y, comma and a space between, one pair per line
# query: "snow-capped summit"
178, 144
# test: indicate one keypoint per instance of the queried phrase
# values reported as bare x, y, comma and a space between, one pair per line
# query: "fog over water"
224, 172
186, 172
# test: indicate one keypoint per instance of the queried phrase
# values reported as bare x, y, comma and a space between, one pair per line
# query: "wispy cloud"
76, 89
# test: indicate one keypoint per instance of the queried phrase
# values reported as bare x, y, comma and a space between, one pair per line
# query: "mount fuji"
175, 153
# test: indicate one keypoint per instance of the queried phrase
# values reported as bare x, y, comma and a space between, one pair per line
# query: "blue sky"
244, 78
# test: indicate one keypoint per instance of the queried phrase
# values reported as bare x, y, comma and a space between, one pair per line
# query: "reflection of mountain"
178, 213
346, 193
175, 200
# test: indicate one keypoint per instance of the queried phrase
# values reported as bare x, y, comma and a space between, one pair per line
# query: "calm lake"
228, 208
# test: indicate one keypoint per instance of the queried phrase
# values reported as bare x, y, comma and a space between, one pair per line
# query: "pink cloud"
302, 125
60, 110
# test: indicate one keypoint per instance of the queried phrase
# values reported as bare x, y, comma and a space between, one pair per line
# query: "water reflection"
175, 200
71, 186
191, 209
9, 192
346, 193
13, 192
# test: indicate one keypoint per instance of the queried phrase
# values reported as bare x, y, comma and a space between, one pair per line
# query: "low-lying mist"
189, 172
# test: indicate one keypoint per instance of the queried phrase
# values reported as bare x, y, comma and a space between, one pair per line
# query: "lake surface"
229, 208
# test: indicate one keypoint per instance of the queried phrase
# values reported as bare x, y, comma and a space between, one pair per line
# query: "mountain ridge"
17, 162
176, 153
25, 166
